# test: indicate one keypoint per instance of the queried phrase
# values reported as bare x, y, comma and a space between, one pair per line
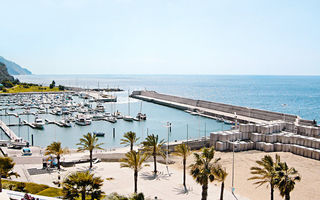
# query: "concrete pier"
219, 110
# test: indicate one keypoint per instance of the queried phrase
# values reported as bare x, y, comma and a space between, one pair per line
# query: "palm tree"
129, 139
286, 179
56, 149
202, 169
89, 142
6, 166
183, 150
266, 172
220, 175
134, 160
83, 183
153, 147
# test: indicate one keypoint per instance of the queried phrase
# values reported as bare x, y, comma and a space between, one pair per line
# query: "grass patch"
51, 192
33, 188
24, 88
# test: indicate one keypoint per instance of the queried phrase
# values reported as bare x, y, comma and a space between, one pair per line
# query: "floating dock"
8, 131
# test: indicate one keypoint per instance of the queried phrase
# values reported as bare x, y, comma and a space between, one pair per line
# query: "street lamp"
167, 157
233, 145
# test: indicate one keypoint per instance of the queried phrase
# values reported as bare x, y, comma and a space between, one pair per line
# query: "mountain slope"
4, 73
13, 68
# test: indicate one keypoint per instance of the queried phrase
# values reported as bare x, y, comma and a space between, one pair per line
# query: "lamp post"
233, 166
167, 157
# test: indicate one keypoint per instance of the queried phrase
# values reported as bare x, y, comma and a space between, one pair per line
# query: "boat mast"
128, 103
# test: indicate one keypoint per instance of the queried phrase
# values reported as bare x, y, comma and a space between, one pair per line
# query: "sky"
258, 37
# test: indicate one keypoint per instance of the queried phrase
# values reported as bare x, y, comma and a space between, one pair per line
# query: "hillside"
4, 73
13, 68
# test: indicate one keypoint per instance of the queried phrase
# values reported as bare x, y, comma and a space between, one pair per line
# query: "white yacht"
38, 123
99, 108
66, 122
83, 120
128, 118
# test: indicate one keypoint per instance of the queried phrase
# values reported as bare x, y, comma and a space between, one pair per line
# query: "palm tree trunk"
90, 159
155, 162
272, 191
83, 194
135, 181
287, 197
58, 158
131, 146
222, 188
0, 183
184, 173
204, 191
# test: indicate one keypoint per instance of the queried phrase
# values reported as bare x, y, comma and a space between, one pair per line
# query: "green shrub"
7, 84
21, 187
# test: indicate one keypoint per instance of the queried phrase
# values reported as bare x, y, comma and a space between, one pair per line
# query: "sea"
299, 95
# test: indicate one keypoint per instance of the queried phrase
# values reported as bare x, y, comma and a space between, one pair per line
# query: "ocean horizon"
292, 94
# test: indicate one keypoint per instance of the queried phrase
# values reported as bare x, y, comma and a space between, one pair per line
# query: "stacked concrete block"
308, 142
220, 146
260, 146
242, 146
308, 130
252, 128
265, 130
222, 137
279, 137
315, 131
293, 139
245, 136
256, 137
251, 145
309, 152
278, 147
244, 128
258, 128
214, 136
316, 154
293, 149
268, 147
286, 147
271, 138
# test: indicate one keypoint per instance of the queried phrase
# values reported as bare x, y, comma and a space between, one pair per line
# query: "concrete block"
286, 147
268, 147
278, 147
220, 146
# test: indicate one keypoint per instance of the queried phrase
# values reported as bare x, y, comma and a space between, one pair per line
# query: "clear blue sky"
162, 36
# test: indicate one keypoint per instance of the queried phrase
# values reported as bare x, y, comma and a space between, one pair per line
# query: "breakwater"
214, 109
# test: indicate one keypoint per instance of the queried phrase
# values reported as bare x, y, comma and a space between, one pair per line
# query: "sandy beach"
309, 169
170, 187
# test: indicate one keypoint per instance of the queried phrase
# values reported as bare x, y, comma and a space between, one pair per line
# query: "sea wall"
192, 104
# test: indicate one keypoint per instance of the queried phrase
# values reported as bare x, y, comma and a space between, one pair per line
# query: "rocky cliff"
4, 75
13, 68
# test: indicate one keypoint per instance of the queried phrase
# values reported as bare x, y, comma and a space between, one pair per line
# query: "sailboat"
141, 116
128, 117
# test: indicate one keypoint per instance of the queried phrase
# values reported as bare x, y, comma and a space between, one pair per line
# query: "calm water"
301, 94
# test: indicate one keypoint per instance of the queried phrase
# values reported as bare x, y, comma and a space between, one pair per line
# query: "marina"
67, 116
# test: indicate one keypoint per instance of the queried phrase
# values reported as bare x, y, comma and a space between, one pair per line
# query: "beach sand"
306, 189
170, 187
